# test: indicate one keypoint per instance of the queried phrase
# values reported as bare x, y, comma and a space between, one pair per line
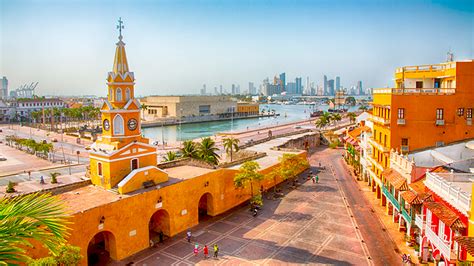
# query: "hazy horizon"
174, 47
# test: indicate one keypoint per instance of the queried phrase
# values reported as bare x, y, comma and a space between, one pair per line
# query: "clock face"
132, 124
106, 125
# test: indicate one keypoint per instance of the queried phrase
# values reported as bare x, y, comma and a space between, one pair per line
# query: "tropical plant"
143, 107
336, 117
40, 217
207, 151
352, 116
66, 255
189, 149
321, 122
257, 200
248, 173
291, 165
54, 176
170, 156
231, 145
363, 108
10, 187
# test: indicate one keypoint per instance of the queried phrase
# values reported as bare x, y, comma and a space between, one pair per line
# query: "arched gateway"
101, 249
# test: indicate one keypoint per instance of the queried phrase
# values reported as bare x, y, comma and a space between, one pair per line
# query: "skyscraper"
308, 86
203, 90
220, 89
330, 86
325, 85
252, 89
233, 89
299, 87
338, 83
360, 90
4, 90
283, 81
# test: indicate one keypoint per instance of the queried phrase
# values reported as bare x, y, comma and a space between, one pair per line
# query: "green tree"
363, 108
231, 145
248, 173
352, 116
10, 187
207, 151
143, 107
66, 255
41, 217
170, 156
54, 176
322, 122
291, 165
336, 117
189, 149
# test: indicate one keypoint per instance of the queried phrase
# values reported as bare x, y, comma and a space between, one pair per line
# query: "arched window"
111, 95
99, 169
118, 125
119, 95
127, 94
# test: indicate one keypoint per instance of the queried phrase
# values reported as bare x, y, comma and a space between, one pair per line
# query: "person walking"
313, 179
317, 179
188, 236
196, 249
206, 252
216, 251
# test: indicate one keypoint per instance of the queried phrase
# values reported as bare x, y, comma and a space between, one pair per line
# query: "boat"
316, 113
342, 110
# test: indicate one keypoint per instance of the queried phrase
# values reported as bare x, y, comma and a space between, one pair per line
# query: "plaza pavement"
312, 224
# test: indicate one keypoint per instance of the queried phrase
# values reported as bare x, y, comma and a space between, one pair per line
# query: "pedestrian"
317, 179
161, 236
313, 179
216, 250
196, 249
188, 236
206, 252
29, 175
41, 180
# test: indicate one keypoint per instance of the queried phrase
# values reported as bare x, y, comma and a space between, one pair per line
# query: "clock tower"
121, 153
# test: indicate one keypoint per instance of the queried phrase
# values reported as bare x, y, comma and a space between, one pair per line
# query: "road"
36, 175
381, 246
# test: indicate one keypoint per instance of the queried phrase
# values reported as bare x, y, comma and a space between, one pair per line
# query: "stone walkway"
311, 224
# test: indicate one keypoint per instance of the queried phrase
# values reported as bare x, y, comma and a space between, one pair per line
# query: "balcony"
401, 121
391, 198
415, 91
443, 246
379, 120
406, 215
374, 163
440, 122
426, 68
375, 177
377, 145
420, 221
450, 186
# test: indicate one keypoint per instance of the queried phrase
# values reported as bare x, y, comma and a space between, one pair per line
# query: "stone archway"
159, 223
101, 248
205, 206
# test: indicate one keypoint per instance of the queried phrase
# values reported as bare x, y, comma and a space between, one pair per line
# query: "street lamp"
180, 117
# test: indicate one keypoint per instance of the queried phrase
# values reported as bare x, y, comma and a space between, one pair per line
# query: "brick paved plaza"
311, 224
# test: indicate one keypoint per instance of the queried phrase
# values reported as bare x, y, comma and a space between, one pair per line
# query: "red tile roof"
419, 188
410, 197
446, 215
466, 242
395, 179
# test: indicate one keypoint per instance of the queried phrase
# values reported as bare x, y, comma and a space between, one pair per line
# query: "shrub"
10, 187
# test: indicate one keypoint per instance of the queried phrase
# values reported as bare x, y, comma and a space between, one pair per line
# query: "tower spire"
120, 26
120, 61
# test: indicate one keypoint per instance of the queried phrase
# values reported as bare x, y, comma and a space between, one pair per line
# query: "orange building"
248, 109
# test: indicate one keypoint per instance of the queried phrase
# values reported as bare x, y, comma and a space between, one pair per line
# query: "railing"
439, 184
377, 145
443, 246
419, 221
380, 120
406, 216
426, 68
374, 162
391, 198
409, 91
401, 121
440, 122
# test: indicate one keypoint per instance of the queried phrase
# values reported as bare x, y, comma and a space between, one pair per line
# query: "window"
437, 83
468, 112
134, 164
404, 142
118, 125
419, 84
127, 94
441, 230
401, 113
385, 140
204, 109
111, 94
99, 169
460, 111
380, 136
439, 114
119, 95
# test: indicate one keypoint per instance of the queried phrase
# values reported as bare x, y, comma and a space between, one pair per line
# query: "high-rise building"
360, 89
4, 90
283, 81
270, 89
252, 89
338, 83
216, 92
203, 90
233, 89
299, 86
330, 86
237, 89
325, 85
220, 89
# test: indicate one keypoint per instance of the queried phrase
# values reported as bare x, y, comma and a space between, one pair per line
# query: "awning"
447, 216
346, 138
466, 242
395, 179
410, 197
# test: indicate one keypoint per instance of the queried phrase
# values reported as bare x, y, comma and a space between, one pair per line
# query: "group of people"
314, 178
205, 250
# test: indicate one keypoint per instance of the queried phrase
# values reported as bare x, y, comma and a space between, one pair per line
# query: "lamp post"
232, 120
163, 133
180, 117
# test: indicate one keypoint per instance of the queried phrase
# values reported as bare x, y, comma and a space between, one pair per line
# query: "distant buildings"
203, 90
252, 89
338, 83
325, 85
269, 89
330, 86
360, 89
4, 89
283, 81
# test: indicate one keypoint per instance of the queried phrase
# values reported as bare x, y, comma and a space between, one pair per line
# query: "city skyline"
178, 46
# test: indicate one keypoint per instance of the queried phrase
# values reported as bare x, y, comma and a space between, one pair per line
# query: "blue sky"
176, 46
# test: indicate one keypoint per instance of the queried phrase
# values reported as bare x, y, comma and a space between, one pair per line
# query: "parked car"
54, 140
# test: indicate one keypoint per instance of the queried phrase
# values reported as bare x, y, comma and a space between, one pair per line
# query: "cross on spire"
120, 27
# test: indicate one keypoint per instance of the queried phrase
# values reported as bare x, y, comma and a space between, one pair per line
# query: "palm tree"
336, 117
352, 116
170, 156
321, 122
189, 149
363, 108
206, 151
54, 177
231, 145
39, 217
144, 107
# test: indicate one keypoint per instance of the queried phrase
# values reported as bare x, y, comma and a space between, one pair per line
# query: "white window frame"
111, 94
114, 125
118, 95
127, 94
441, 229
428, 217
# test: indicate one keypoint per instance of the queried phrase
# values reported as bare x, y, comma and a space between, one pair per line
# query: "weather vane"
120, 27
